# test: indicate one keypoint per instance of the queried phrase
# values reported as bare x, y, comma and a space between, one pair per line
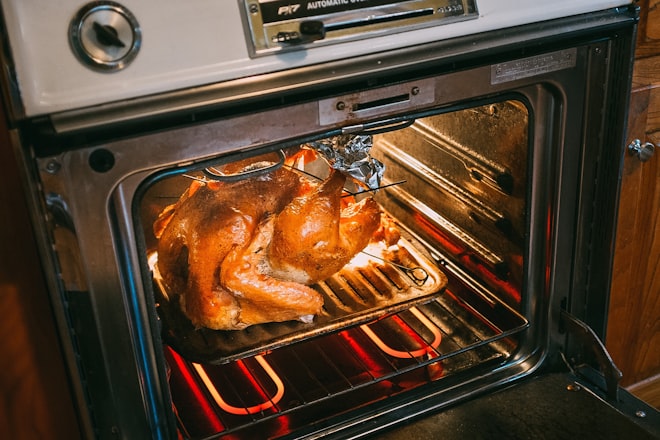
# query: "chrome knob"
105, 36
643, 151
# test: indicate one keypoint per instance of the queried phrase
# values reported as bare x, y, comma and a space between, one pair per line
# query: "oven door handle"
378, 127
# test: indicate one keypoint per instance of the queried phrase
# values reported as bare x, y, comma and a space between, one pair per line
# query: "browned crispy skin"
262, 297
388, 233
243, 253
313, 237
201, 232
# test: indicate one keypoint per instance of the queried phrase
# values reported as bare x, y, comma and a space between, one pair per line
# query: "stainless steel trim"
375, 103
278, 26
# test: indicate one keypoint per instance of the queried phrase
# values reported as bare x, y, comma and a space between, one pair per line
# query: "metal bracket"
590, 341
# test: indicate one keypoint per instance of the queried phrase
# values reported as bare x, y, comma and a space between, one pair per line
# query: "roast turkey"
245, 252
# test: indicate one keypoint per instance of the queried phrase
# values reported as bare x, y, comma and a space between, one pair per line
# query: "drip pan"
367, 288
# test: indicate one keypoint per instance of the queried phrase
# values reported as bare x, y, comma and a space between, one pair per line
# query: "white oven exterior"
193, 44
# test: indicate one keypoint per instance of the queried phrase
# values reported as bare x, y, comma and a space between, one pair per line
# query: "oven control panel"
286, 25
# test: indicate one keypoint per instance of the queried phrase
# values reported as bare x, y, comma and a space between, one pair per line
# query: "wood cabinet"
633, 333
35, 398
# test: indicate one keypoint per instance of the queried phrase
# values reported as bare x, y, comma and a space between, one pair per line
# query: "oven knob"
312, 30
308, 31
105, 36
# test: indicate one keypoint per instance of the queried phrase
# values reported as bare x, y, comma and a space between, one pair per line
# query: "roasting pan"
367, 288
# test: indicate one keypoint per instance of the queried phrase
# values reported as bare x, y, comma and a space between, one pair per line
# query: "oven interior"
447, 300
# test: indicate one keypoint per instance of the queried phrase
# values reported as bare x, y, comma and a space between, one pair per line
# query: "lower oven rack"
311, 381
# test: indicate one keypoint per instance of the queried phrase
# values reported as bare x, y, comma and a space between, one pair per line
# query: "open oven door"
553, 405
582, 401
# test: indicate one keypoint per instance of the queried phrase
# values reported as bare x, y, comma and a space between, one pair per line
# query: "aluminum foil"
350, 155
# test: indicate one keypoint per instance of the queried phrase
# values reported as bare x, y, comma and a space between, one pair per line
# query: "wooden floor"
648, 391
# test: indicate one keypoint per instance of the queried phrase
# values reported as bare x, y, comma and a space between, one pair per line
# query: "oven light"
271, 402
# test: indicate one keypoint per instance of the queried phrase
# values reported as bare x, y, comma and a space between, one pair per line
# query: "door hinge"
592, 348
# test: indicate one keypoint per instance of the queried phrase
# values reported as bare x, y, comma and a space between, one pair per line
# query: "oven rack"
340, 367
370, 287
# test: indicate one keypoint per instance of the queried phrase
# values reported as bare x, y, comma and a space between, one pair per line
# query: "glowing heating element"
428, 349
203, 404
271, 402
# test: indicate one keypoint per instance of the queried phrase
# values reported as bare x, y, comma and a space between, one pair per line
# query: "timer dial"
105, 36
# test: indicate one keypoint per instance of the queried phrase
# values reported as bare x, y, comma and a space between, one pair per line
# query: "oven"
341, 219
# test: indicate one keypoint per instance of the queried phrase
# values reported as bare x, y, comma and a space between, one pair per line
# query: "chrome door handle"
643, 151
